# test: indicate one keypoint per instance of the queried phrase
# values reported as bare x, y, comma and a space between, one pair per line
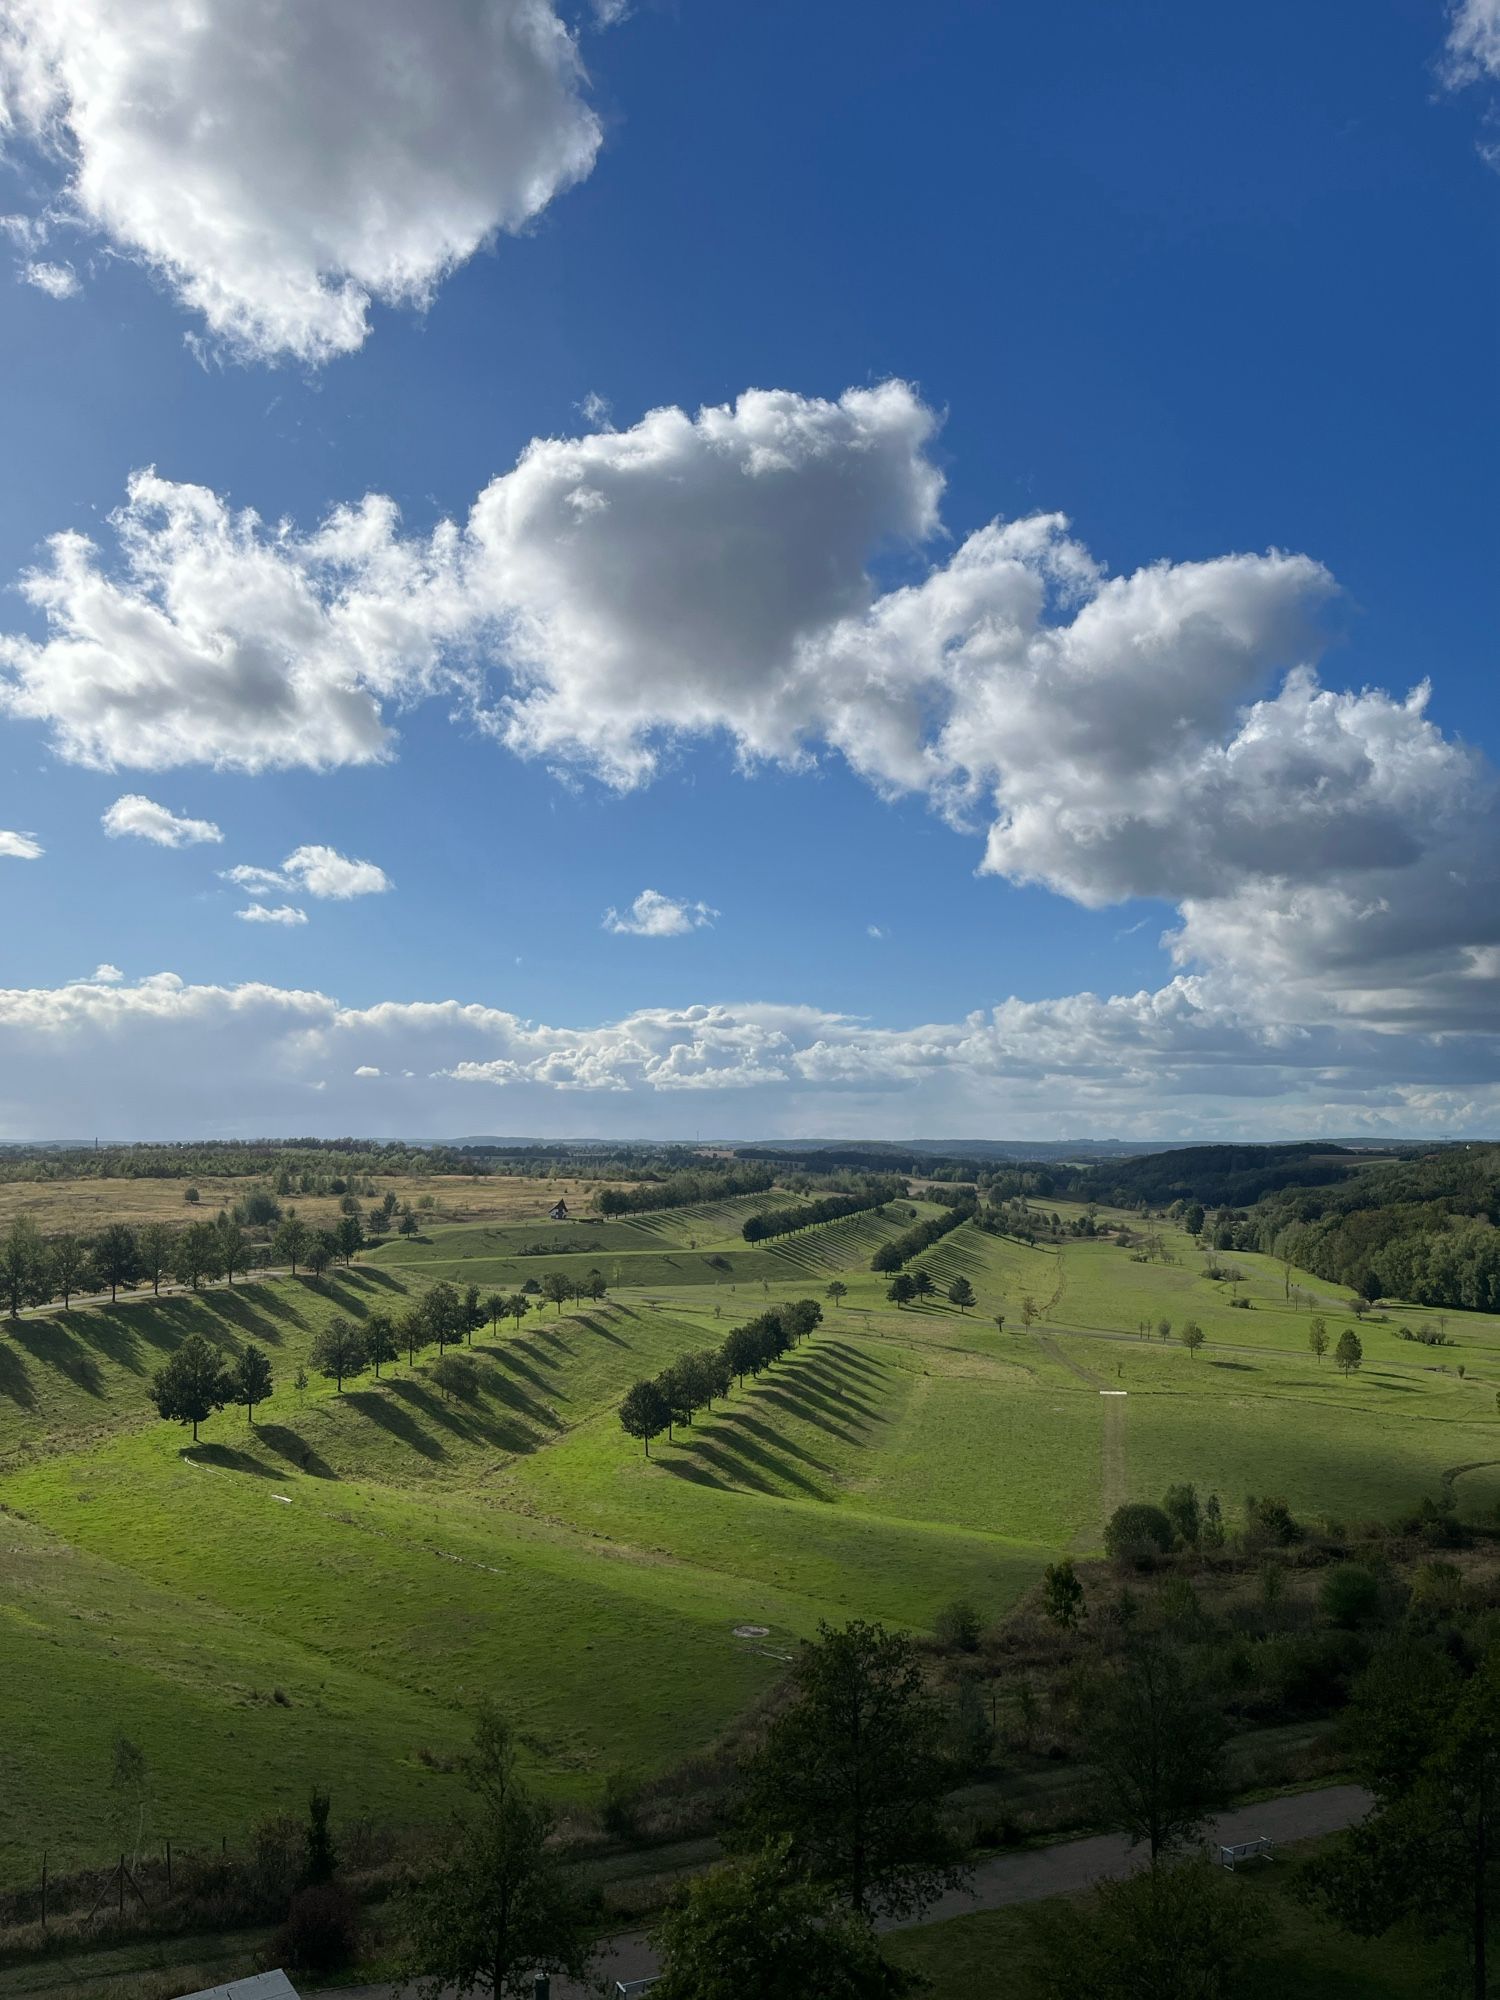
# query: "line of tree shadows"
733, 1447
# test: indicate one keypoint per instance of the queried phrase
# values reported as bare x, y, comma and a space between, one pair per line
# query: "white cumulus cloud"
768, 572
107, 975
313, 871
655, 915
140, 818
20, 846
282, 166
268, 913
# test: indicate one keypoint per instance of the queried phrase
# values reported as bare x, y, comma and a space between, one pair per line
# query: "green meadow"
324, 1594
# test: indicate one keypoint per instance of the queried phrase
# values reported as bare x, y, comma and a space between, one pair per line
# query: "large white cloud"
281, 165
164, 1057
1161, 733
219, 640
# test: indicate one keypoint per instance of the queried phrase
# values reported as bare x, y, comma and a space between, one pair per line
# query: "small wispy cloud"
875, 931
58, 281
267, 913
655, 915
20, 846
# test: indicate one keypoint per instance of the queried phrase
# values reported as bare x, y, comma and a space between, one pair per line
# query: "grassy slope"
378, 1557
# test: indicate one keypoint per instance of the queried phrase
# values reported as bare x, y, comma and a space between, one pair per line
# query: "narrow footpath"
1066, 1869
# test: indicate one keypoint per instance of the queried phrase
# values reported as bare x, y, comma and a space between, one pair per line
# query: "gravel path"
1063, 1870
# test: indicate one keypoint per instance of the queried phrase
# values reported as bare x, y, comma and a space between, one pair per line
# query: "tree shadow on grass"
60, 1344
245, 1312
764, 1450
390, 1416
781, 1398
743, 1421
840, 1354
1240, 1367
710, 1452
228, 1458
509, 1361
294, 1448
15, 1377
689, 1469
831, 1391
466, 1420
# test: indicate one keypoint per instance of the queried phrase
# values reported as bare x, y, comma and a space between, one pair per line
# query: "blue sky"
1209, 290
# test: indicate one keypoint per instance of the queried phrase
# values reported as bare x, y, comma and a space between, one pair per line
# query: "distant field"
328, 1591
89, 1204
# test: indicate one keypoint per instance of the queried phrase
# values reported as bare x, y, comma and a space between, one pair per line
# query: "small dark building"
559, 1210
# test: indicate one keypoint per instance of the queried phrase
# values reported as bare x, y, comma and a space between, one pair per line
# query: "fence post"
44, 1888
169, 1867
122, 1885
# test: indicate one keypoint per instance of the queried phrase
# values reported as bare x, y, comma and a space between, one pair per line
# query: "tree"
116, 1256
339, 1350
153, 1242
495, 1307
321, 1860
1156, 1741
837, 1290
922, 1283
380, 1339
961, 1293
1180, 1505
518, 1305
232, 1249
69, 1268
1137, 1533
1317, 1339
196, 1254
443, 1310
499, 1911
1349, 1353
1426, 1742
1178, 1932
473, 1312
1028, 1310
1192, 1337
349, 1237
1164, 1329
557, 1288
902, 1289
252, 1379
852, 1773
413, 1333
192, 1385
999, 1322
322, 1249
759, 1931
1062, 1594
645, 1412
291, 1241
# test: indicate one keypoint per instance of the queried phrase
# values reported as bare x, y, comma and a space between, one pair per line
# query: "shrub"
620, 1805
321, 1932
1350, 1595
1138, 1533
958, 1626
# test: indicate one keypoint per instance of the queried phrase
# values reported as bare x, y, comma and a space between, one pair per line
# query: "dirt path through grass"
1111, 1439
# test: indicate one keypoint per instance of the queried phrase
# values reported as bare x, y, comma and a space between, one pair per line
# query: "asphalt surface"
1063, 1870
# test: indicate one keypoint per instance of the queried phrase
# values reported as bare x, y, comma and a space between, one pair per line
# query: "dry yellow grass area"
87, 1205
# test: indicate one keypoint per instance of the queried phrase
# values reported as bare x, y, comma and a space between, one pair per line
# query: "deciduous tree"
339, 1350
252, 1378
852, 1773
1156, 1740
1349, 1353
644, 1412
499, 1910
192, 1385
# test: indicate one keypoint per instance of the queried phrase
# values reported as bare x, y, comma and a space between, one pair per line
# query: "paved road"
1063, 1870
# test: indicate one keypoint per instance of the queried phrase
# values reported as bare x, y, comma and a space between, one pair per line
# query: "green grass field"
324, 1595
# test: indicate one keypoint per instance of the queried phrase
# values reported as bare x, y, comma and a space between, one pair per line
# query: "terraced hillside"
329, 1588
